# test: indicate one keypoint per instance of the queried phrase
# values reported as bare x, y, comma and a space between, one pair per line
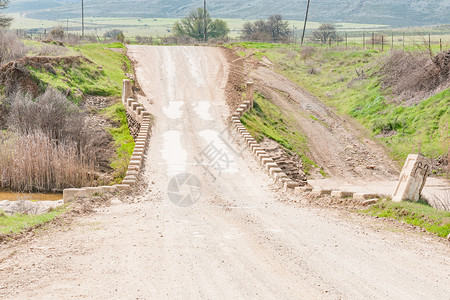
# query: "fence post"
250, 92
440, 45
364, 40
403, 41
392, 46
126, 92
373, 40
382, 43
346, 41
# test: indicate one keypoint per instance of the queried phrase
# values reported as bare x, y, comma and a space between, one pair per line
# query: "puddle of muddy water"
12, 196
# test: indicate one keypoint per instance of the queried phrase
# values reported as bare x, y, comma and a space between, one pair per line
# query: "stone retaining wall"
143, 119
271, 167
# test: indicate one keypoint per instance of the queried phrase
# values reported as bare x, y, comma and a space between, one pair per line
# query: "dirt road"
238, 241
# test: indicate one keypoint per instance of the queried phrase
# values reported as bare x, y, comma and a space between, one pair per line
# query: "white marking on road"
173, 110
225, 158
194, 62
173, 153
202, 110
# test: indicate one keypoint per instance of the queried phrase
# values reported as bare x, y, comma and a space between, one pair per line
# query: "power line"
204, 21
306, 19
82, 18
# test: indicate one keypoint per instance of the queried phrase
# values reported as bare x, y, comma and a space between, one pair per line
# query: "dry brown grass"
49, 145
11, 47
35, 163
412, 77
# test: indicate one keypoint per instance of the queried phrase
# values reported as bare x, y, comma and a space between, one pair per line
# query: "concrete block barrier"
91, 191
135, 167
130, 177
363, 196
132, 173
280, 178
266, 160
270, 165
275, 170
109, 189
135, 163
129, 182
122, 187
70, 195
290, 185
303, 189
340, 194
320, 192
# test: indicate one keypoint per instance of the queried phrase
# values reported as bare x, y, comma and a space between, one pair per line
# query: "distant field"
161, 27
153, 26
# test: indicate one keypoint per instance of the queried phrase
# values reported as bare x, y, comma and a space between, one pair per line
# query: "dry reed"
35, 163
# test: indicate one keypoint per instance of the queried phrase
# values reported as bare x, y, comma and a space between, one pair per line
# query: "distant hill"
387, 12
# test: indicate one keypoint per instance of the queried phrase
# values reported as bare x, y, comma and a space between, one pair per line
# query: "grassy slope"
335, 82
267, 120
122, 138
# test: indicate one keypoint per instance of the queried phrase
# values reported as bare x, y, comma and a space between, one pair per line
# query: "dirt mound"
236, 79
415, 77
16, 75
442, 64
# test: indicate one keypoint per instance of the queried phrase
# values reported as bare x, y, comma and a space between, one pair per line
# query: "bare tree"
4, 20
325, 32
278, 28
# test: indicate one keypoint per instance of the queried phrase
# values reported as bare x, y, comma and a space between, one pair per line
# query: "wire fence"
396, 39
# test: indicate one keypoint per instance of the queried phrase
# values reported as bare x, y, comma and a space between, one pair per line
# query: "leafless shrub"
34, 162
57, 33
441, 200
291, 54
51, 50
307, 52
414, 75
144, 39
11, 47
177, 40
51, 113
312, 68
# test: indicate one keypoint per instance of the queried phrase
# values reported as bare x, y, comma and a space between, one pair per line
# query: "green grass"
267, 120
417, 214
334, 81
102, 77
122, 138
18, 222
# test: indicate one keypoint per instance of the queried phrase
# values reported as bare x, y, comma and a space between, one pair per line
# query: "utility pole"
82, 18
204, 21
306, 20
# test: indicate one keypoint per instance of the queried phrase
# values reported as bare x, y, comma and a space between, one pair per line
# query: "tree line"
275, 29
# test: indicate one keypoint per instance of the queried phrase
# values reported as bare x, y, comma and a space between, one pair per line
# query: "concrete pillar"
412, 178
250, 92
127, 91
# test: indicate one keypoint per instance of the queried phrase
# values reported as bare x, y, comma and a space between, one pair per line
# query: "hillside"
388, 12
